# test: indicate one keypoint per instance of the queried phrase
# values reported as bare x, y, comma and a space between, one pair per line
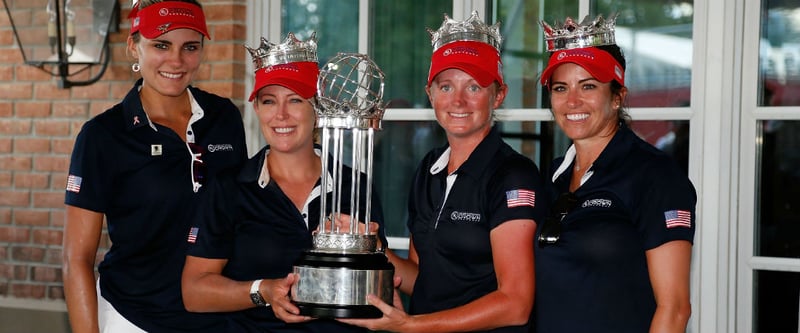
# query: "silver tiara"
473, 29
571, 35
291, 50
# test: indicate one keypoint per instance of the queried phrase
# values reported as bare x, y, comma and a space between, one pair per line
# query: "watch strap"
255, 295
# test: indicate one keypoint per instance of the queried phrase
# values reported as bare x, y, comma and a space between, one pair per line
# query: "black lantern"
64, 37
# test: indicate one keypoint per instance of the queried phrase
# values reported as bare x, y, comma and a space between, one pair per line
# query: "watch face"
257, 299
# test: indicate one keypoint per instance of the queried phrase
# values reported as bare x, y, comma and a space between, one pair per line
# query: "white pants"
109, 320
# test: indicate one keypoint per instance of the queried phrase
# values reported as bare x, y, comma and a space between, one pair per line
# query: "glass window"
400, 44
776, 298
778, 182
335, 22
779, 53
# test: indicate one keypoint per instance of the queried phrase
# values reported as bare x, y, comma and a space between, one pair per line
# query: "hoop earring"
135, 67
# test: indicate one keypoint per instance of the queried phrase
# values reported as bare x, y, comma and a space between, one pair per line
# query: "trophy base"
336, 285
339, 311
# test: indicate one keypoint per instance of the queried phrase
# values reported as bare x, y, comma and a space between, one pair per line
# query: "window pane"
775, 301
670, 136
779, 53
656, 37
335, 22
401, 46
523, 51
778, 184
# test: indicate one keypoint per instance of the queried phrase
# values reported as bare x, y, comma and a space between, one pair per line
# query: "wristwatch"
255, 295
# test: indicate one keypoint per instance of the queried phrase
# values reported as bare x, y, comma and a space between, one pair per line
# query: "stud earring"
136, 67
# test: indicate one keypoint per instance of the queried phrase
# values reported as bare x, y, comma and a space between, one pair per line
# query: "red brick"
45, 274
51, 163
32, 109
5, 145
6, 109
27, 253
5, 218
6, 37
6, 272
47, 237
29, 180
10, 56
16, 90
98, 90
5, 179
31, 145
59, 146
58, 181
30, 73
220, 52
14, 127
55, 292
52, 256
15, 198
14, 234
6, 73
51, 92
51, 127
19, 163
20, 272
57, 217
27, 290
71, 110
31, 217
48, 199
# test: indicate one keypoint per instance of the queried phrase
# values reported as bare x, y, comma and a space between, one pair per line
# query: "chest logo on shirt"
155, 150
602, 203
457, 216
220, 147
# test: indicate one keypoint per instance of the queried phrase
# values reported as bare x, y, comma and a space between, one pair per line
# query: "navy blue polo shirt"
247, 219
494, 185
595, 277
138, 174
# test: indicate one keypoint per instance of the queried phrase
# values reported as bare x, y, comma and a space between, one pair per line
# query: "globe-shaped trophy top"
350, 92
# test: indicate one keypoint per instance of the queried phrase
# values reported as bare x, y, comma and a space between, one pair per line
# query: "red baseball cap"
597, 62
161, 17
300, 77
478, 59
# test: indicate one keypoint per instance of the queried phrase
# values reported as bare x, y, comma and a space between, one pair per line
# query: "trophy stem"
323, 199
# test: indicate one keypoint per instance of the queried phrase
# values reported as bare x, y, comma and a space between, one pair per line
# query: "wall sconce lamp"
65, 34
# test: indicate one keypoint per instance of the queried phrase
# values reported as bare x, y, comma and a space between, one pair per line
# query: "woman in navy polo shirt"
140, 165
474, 203
615, 253
256, 222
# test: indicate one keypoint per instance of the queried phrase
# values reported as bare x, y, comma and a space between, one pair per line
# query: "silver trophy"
344, 266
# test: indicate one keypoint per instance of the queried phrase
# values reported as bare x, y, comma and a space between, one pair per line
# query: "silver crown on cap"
588, 33
472, 29
291, 50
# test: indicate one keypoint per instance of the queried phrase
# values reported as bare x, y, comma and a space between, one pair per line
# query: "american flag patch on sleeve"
74, 183
193, 235
517, 198
678, 218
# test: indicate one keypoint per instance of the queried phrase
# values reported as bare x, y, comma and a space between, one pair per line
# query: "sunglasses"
551, 229
198, 168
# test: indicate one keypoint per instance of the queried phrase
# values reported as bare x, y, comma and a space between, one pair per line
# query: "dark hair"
144, 3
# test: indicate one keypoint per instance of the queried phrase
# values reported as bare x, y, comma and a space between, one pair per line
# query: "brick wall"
38, 125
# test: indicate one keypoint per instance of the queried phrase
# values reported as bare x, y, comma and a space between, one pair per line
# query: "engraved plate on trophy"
345, 264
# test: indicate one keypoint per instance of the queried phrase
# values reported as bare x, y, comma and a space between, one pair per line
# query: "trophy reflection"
346, 264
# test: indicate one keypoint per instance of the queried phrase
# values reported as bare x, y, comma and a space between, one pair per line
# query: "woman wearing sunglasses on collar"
614, 254
474, 205
257, 221
139, 166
